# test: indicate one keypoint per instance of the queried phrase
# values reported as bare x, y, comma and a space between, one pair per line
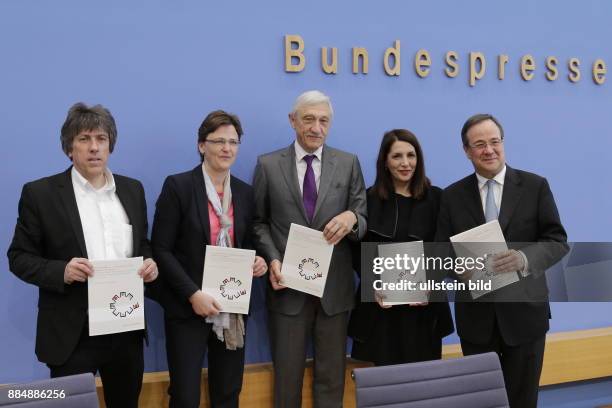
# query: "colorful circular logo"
308, 269
123, 304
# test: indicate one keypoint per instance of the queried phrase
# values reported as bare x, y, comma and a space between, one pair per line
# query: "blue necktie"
309, 188
490, 207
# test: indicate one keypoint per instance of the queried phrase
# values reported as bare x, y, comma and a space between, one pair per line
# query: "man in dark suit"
83, 213
310, 184
525, 208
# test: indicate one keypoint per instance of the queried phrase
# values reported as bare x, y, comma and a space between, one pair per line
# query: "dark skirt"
401, 334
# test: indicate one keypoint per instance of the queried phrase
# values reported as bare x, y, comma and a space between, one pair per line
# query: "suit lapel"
201, 200
472, 200
510, 197
328, 168
129, 206
289, 172
66, 192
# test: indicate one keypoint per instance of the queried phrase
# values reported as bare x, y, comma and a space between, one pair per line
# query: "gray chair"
467, 382
79, 391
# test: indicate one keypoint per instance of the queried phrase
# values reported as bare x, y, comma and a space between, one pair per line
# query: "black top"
404, 205
47, 236
181, 231
401, 333
528, 214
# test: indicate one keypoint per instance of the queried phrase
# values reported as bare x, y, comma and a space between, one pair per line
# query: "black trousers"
187, 341
521, 365
118, 358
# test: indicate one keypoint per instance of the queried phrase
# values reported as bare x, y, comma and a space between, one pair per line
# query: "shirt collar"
499, 178
79, 180
300, 152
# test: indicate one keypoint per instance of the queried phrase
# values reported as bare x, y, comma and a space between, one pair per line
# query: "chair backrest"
74, 391
467, 382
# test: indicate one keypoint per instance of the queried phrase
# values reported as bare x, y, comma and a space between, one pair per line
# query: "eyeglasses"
494, 143
222, 142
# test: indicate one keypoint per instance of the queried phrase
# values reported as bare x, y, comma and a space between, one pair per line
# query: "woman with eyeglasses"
204, 206
402, 206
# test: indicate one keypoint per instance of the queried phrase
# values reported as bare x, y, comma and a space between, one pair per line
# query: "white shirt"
301, 165
498, 189
106, 227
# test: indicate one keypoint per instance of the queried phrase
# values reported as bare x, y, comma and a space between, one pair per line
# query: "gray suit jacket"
279, 203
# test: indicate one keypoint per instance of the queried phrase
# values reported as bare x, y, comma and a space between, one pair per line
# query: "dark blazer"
528, 214
382, 227
181, 231
279, 203
47, 236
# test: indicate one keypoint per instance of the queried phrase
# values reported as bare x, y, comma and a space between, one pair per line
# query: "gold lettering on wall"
574, 66
502, 60
291, 53
453, 68
360, 53
527, 67
551, 65
422, 62
599, 72
395, 52
327, 67
475, 66
478, 67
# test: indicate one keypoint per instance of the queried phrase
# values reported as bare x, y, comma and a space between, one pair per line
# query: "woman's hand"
259, 267
380, 298
204, 304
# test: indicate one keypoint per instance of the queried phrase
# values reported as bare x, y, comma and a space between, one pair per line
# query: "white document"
115, 296
306, 261
415, 273
484, 241
228, 276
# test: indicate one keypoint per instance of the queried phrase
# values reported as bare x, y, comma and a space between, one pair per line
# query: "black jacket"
181, 231
528, 214
47, 236
382, 227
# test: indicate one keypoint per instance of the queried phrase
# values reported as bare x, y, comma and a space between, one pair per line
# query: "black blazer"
382, 227
528, 214
181, 231
47, 236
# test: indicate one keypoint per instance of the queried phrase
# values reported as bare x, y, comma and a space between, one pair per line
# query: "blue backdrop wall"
161, 65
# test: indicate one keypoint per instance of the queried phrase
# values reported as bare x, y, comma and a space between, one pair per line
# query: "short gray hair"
310, 98
82, 117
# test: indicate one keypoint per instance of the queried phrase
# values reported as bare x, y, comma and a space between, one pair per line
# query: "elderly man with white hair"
314, 185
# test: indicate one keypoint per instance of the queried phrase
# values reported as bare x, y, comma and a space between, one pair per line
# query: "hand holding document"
115, 297
415, 273
484, 241
228, 276
306, 261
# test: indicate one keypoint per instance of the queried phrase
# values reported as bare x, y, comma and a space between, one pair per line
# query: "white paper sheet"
228, 276
115, 297
306, 261
412, 250
486, 239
